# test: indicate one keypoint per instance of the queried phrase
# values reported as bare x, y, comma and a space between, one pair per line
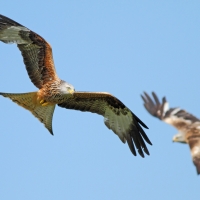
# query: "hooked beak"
71, 91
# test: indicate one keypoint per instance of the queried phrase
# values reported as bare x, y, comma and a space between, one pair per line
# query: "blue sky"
122, 47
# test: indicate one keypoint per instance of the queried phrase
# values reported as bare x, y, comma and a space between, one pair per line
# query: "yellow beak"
71, 91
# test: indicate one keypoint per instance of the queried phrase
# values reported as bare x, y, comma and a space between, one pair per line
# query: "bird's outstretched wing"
36, 52
117, 117
187, 124
176, 117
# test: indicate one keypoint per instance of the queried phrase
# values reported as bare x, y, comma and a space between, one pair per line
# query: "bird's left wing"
117, 117
176, 117
36, 52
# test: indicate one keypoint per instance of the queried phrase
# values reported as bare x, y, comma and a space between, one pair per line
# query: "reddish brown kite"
187, 124
38, 59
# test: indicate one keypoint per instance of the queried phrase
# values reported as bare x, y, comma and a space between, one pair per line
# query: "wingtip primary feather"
131, 145
146, 151
141, 153
140, 121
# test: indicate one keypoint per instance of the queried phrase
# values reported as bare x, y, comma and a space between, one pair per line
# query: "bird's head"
66, 88
179, 137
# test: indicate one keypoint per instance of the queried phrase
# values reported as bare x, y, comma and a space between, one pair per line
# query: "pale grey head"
66, 88
179, 137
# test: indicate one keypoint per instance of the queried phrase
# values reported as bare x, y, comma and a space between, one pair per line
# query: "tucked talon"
42, 101
45, 104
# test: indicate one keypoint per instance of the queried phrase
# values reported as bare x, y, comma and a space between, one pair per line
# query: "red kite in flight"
38, 59
187, 124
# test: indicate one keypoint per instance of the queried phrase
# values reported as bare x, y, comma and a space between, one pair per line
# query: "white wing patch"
195, 151
197, 127
119, 123
175, 111
11, 35
174, 119
165, 108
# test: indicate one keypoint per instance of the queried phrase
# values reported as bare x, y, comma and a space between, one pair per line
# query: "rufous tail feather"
29, 102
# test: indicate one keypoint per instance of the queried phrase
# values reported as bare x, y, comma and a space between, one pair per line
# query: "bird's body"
38, 59
187, 124
54, 92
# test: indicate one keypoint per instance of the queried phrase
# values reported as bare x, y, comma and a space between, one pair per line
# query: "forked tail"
29, 102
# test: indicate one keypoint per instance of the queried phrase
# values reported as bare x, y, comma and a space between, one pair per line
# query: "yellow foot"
43, 102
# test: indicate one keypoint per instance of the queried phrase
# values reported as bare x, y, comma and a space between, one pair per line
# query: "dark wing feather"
154, 108
117, 117
175, 116
36, 52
